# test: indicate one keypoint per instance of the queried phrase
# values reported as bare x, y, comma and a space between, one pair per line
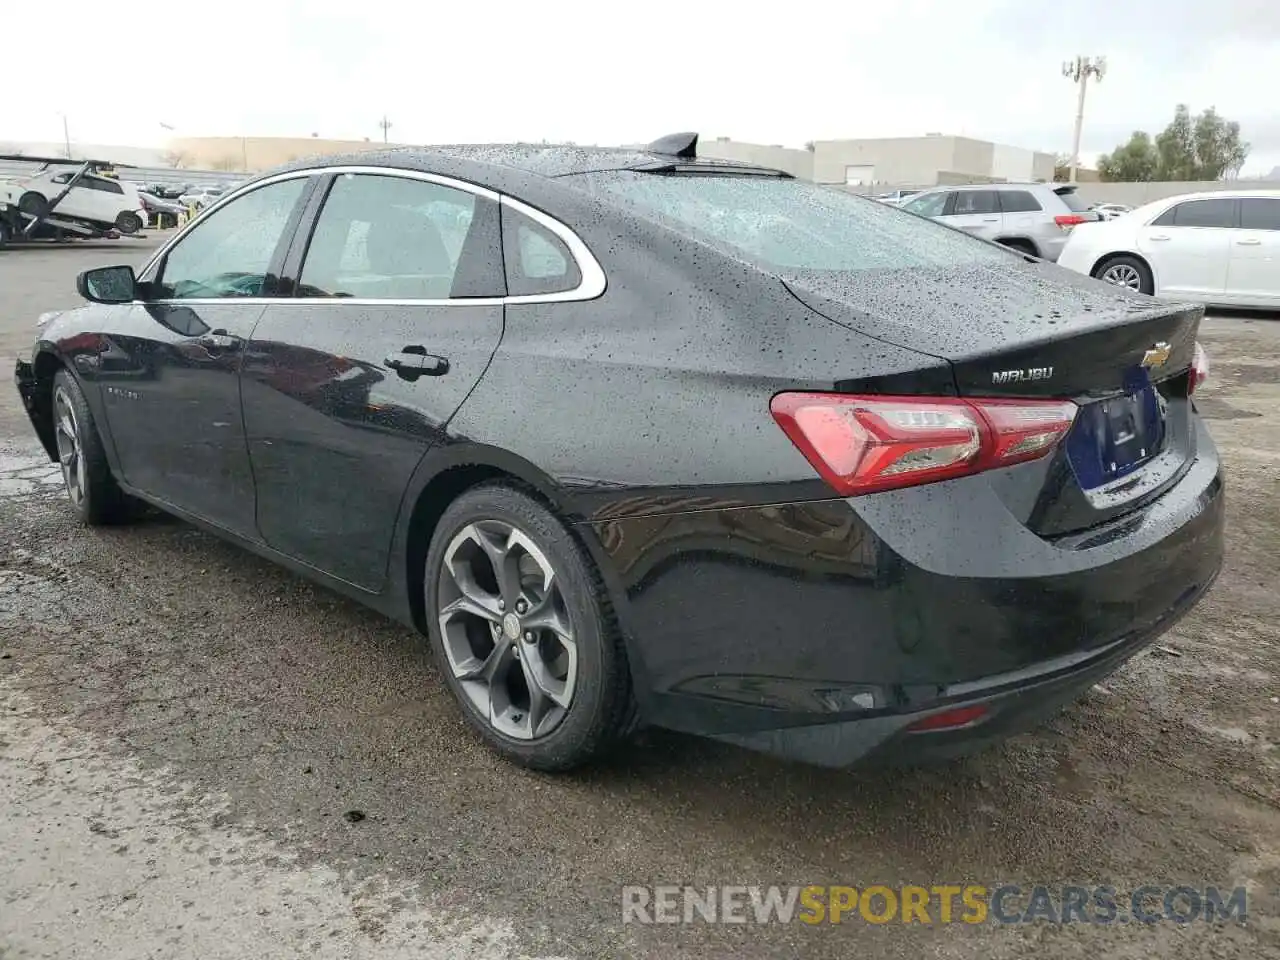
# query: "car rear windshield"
788, 224
1075, 203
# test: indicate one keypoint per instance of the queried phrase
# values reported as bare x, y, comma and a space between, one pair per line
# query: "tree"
1205, 147
1134, 161
174, 158
226, 164
1061, 168
809, 145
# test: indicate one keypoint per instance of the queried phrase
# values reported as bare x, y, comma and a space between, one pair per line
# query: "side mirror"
108, 285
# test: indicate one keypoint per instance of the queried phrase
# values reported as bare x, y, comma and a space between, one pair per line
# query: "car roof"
1263, 194
499, 165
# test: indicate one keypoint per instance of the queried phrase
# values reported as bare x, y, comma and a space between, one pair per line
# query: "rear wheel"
128, 222
1022, 246
1126, 271
91, 488
523, 631
33, 204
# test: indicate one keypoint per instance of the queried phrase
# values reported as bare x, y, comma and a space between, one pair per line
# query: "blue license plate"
1112, 438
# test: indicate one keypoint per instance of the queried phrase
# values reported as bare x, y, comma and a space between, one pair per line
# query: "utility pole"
1079, 71
385, 124
66, 136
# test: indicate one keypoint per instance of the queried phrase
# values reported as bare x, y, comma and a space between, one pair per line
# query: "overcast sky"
613, 72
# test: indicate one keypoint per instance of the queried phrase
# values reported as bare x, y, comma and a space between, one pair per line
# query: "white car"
1110, 211
103, 202
1220, 248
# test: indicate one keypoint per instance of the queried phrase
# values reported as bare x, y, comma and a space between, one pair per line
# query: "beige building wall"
905, 160
253, 154
798, 163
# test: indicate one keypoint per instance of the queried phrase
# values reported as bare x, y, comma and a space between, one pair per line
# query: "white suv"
103, 202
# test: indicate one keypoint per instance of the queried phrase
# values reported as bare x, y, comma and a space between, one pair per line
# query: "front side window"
788, 224
228, 252
929, 205
537, 261
975, 203
387, 238
1199, 213
1260, 213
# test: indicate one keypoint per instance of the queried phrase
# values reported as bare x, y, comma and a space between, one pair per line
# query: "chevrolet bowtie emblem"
1157, 355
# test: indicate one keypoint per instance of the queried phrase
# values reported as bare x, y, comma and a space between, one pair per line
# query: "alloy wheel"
1123, 275
507, 634
70, 448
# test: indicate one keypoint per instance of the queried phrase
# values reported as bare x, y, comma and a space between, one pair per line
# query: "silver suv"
1033, 217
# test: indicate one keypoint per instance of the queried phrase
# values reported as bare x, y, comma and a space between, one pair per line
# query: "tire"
91, 488
33, 204
1126, 271
1022, 246
5, 236
128, 222
490, 648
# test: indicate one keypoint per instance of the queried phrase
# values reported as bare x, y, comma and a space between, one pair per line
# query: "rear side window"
1018, 201
1260, 213
537, 261
975, 202
387, 238
1199, 213
1072, 200
788, 224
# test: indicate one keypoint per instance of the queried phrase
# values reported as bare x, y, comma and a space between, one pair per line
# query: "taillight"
1068, 220
1199, 368
861, 444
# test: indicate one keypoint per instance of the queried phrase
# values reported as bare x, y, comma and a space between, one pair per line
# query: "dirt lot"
185, 732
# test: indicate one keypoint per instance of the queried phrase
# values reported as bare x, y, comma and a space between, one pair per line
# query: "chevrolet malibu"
635, 437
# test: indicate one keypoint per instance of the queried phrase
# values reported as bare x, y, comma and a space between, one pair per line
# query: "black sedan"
635, 437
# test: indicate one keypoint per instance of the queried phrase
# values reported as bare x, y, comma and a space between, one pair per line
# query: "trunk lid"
1033, 330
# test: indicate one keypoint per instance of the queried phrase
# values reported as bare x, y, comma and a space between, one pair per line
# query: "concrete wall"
1136, 194
257, 153
901, 160
798, 163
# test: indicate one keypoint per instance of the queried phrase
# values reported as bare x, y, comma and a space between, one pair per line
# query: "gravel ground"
201, 755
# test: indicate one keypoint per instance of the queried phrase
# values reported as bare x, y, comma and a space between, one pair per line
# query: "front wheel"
523, 631
33, 204
91, 488
1128, 272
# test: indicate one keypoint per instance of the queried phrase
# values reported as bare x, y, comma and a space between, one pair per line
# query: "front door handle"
1250, 242
414, 362
1159, 236
219, 340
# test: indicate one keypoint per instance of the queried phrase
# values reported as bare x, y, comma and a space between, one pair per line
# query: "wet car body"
757, 603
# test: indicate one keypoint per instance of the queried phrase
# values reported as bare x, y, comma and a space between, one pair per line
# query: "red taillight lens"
1199, 368
950, 719
1068, 220
861, 444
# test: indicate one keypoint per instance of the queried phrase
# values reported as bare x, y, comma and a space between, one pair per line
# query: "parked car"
163, 213
1035, 218
895, 197
102, 202
666, 441
201, 197
1110, 211
1218, 248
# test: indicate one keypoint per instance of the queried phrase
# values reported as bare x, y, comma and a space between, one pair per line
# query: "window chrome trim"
592, 285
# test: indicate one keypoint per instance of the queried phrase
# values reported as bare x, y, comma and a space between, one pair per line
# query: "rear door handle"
1159, 236
414, 362
1250, 242
990, 219
219, 340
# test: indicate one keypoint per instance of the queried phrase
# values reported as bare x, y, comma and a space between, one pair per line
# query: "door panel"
347, 386
976, 212
1254, 272
1189, 247
170, 377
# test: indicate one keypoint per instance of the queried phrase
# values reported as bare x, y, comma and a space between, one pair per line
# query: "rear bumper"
821, 631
